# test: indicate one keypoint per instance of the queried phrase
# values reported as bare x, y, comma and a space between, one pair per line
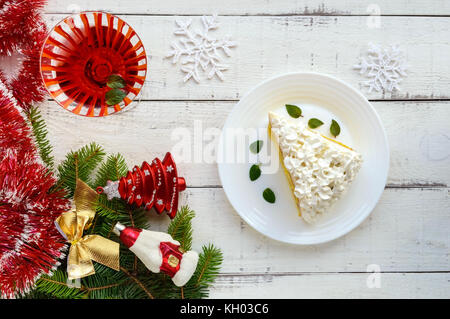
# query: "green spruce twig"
141, 285
206, 273
81, 164
56, 286
208, 266
181, 227
39, 129
112, 169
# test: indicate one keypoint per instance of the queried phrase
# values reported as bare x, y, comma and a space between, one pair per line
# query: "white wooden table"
407, 235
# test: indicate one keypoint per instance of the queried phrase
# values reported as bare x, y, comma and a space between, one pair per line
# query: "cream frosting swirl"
321, 170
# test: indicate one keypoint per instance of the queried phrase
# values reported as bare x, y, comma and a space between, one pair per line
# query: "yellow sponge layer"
286, 172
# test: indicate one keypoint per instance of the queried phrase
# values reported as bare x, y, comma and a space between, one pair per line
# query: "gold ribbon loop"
90, 247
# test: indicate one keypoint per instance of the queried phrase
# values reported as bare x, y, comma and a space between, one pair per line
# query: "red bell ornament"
159, 252
151, 185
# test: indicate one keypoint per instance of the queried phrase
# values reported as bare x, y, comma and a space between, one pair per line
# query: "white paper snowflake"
384, 67
198, 51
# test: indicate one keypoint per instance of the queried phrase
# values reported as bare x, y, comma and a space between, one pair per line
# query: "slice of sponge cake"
319, 169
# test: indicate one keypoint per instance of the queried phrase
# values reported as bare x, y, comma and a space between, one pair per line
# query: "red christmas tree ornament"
151, 185
159, 252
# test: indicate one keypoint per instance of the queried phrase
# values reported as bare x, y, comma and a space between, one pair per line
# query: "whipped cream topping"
321, 170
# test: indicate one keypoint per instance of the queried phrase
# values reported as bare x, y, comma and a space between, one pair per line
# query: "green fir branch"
181, 227
117, 210
101, 286
36, 294
138, 282
133, 290
112, 209
112, 169
208, 267
56, 286
81, 164
39, 129
206, 273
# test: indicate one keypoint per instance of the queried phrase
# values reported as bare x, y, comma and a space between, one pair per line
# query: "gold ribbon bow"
84, 249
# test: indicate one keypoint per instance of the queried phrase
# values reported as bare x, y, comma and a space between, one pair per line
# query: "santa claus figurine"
159, 252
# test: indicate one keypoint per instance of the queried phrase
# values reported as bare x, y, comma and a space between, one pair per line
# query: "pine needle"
206, 273
81, 164
112, 169
99, 286
39, 129
136, 280
117, 210
181, 227
208, 265
57, 287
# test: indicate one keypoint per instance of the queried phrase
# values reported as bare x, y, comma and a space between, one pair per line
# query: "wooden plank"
418, 134
273, 45
406, 235
407, 231
393, 285
255, 7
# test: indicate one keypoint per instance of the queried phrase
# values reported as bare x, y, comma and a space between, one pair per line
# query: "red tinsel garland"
17, 19
22, 30
30, 245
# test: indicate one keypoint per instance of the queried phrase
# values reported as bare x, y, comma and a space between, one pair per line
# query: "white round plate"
319, 96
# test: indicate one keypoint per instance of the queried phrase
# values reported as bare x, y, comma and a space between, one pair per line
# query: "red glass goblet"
82, 52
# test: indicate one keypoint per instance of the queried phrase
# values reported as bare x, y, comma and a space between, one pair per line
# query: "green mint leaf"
115, 96
115, 81
314, 123
293, 110
269, 195
255, 172
256, 146
335, 129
